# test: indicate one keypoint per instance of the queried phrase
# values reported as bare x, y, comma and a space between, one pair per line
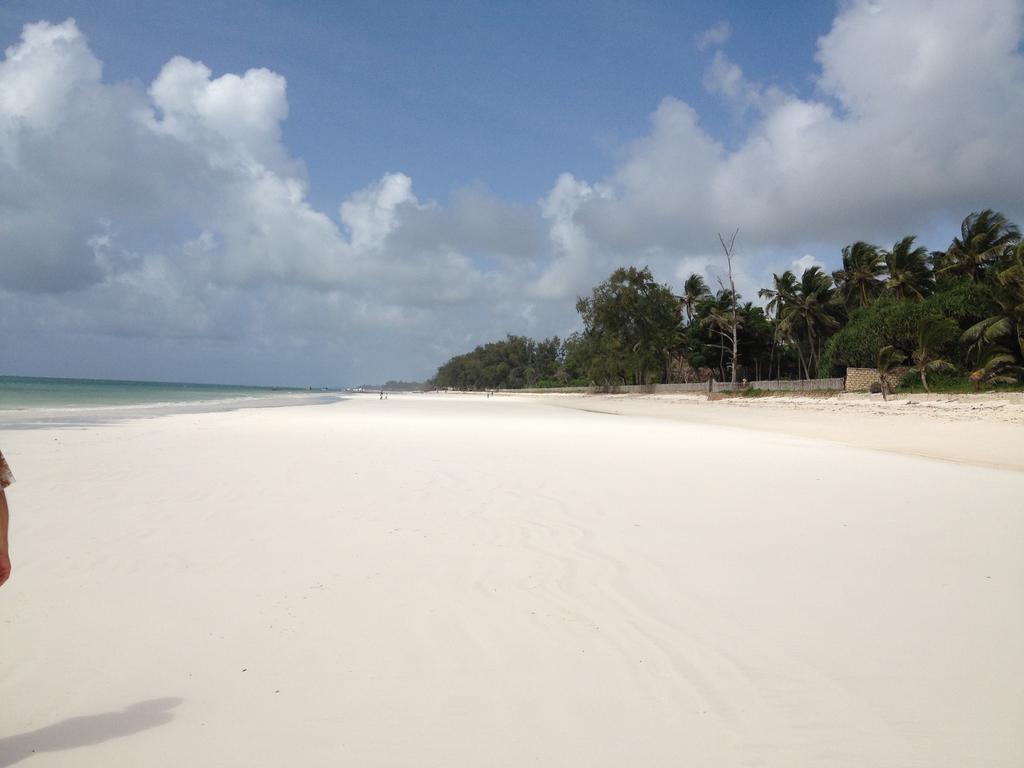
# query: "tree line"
956, 313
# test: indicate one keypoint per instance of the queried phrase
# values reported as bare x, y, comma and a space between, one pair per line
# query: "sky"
331, 194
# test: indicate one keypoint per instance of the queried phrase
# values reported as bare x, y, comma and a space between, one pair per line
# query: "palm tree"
715, 314
932, 334
997, 369
859, 281
784, 286
1009, 322
694, 289
1010, 294
757, 333
888, 358
810, 315
909, 276
984, 238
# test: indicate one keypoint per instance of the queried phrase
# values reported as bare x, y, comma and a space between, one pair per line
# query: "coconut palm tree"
999, 368
757, 332
909, 275
984, 238
932, 334
860, 280
714, 312
888, 358
1010, 294
694, 289
1008, 324
782, 290
809, 316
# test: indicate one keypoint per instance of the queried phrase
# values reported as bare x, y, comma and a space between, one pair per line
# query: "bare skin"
5, 557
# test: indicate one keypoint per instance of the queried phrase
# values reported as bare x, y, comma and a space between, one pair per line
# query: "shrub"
887, 322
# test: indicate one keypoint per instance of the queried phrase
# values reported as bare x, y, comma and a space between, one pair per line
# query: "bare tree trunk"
732, 288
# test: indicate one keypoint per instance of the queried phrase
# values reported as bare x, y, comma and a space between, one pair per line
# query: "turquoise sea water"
26, 392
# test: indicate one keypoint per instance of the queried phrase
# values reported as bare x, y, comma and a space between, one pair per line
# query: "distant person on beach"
6, 478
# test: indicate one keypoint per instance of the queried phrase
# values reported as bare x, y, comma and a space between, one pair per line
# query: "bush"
966, 302
892, 322
887, 322
953, 383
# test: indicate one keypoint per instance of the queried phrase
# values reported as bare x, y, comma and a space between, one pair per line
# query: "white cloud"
176, 211
371, 214
805, 262
38, 76
904, 129
574, 253
240, 115
725, 78
714, 36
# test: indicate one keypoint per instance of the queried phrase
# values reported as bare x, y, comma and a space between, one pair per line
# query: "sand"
986, 430
462, 581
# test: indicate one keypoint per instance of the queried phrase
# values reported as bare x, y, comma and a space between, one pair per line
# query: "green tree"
932, 335
1010, 295
909, 275
984, 238
755, 341
859, 281
887, 359
998, 368
694, 290
783, 288
1008, 323
809, 317
715, 316
512, 363
632, 321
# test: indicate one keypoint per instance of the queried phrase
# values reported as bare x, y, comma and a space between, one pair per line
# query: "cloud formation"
904, 127
175, 211
717, 35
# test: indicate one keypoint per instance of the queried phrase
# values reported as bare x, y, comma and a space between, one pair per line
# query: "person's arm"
5, 556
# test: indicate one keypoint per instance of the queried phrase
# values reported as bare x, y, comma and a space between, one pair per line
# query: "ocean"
29, 392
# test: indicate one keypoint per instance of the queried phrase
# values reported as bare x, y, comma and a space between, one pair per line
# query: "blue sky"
338, 193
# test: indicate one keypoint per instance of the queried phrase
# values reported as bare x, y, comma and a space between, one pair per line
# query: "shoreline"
43, 417
985, 429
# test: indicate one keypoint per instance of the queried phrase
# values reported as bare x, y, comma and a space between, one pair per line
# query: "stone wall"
861, 379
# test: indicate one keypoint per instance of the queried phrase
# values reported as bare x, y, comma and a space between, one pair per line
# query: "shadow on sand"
87, 730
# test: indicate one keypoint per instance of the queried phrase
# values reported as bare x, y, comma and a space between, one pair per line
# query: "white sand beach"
450, 581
